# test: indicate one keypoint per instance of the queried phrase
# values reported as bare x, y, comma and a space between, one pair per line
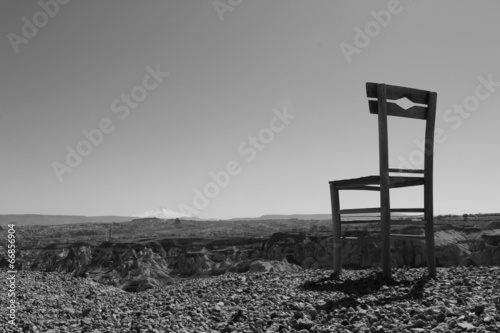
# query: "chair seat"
373, 182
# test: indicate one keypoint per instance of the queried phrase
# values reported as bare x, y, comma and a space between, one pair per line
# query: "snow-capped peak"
162, 213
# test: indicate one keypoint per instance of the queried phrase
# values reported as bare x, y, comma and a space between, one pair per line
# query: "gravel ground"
463, 299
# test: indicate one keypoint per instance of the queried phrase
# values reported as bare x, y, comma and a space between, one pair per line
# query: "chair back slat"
406, 170
395, 92
417, 112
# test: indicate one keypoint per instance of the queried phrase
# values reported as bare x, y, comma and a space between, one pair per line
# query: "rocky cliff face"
147, 264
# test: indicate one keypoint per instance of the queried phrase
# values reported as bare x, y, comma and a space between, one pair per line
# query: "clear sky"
272, 93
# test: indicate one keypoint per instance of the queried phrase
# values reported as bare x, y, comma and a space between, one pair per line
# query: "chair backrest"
396, 93
383, 100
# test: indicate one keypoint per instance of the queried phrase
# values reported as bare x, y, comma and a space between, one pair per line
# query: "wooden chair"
381, 102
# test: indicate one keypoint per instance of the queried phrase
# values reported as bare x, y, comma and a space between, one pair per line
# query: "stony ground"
460, 300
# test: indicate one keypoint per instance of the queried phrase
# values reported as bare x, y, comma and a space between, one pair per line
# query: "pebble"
359, 301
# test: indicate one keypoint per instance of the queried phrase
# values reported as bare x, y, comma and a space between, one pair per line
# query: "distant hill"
35, 219
306, 217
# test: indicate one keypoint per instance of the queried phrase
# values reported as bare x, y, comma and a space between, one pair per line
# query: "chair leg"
385, 220
429, 242
429, 230
337, 244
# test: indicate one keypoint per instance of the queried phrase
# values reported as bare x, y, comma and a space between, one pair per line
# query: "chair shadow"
366, 285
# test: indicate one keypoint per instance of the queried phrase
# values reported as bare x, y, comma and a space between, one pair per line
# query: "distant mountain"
165, 214
36, 219
286, 217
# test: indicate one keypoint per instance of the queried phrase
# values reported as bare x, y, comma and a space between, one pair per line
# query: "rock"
86, 321
313, 313
272, 266
86, 311
305, 324
141, 284
70, 311
441, 328
466, 325
441, 318
117, 264
298, 315
237, 316
419, 323
478, 309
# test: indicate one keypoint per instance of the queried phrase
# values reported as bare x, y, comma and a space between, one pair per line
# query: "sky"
238, 108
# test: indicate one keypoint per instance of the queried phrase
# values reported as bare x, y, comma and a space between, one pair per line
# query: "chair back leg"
429, 229
337, 245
